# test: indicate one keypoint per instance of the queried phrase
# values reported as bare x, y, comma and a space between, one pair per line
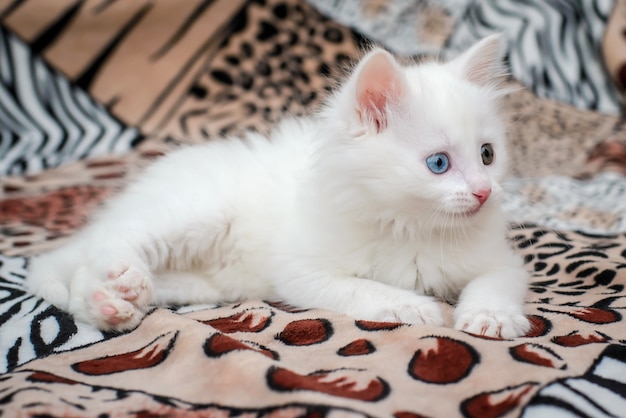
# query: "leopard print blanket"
93, 91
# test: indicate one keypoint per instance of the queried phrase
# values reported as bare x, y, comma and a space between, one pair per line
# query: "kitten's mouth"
469, 213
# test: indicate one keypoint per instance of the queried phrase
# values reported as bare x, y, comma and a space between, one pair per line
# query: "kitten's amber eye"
486, 152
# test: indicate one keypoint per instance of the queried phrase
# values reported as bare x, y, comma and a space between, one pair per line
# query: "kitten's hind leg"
50, 274
111, 299
117, 302
185, 288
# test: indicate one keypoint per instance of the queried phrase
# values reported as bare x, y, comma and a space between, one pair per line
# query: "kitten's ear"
482, 63
380, 84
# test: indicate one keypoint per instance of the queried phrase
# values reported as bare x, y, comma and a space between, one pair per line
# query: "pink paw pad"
129, 292
114, 274
108, 310
114, 320
98, 296
130, 284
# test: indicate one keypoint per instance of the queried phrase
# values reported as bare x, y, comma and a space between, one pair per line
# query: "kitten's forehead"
432, 81
452, 108
450, 115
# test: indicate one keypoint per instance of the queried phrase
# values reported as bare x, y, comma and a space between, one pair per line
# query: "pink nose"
482, 195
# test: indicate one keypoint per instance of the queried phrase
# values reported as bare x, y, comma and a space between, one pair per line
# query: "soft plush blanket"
92, 91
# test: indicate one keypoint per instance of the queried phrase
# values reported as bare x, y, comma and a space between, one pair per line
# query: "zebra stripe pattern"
33, 328
45, 120
554, 46
597, 393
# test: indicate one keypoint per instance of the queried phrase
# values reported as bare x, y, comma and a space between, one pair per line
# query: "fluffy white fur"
339, 211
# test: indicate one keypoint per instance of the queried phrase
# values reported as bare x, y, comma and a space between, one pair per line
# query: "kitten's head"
422, 143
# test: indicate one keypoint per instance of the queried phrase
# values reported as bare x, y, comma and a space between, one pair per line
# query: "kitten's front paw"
424, 314
496, 323
416, 309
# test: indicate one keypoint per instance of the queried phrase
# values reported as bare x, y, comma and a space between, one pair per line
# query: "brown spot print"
220, 344
404, 414
149, 356
611, 151
576, 339
247, 321
442, 361
45, 377
357, 348
59, 211
596, 315
282, 306
110, 176
377, 326
342, 385
306, 332
152, 154
609, 155
538, 355
496, 404
539, 326
9, 188
103, 163
591, 315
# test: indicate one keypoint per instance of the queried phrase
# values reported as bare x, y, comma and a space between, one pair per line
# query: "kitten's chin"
469, 213
466, 214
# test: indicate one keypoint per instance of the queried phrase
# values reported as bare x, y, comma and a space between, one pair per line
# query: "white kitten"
388, 195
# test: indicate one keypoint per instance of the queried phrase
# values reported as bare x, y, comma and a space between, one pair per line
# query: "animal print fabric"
553, 47
46, 121
183, 72
255, 358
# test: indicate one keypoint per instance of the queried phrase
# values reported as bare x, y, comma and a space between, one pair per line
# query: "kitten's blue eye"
438, 163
